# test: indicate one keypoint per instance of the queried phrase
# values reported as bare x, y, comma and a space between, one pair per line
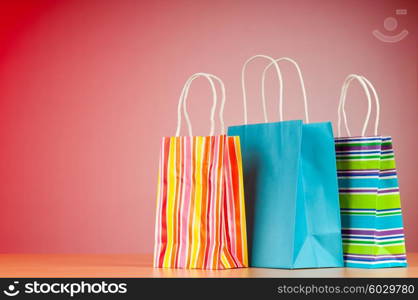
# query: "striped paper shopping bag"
200, 219
371, 216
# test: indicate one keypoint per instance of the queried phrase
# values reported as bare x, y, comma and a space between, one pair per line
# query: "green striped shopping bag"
371, 215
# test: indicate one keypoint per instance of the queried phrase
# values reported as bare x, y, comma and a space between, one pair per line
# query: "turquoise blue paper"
291, 193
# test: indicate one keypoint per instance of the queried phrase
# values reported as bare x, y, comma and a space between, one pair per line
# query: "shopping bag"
200, 219
371, 215
291, 189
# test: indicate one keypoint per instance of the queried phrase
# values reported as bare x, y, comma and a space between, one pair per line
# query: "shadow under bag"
371, 213
290, 179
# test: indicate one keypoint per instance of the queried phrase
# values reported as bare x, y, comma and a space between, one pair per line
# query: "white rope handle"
186, 115
181, 101
183, 97
366, 84
341, 106
302, 84
377, 101
244, 94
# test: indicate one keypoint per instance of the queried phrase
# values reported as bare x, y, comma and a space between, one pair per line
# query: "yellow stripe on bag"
171, 194
198, 202
224, 260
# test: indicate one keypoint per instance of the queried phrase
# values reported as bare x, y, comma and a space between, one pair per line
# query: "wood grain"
140, 265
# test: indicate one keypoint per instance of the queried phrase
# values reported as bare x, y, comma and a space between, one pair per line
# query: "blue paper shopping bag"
291, 191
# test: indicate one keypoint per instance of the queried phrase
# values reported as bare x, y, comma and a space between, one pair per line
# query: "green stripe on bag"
387, 164
391, 250
385, 201
369, 201
358, 164
372, 250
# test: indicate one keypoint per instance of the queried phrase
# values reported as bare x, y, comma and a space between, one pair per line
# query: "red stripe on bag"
218, 208
192, 200
211, 199
236, 198
176, 203
203, 215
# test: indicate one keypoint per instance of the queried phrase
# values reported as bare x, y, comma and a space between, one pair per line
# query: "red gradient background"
88, 88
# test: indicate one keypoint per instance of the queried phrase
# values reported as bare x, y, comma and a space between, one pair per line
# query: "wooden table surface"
140, 265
